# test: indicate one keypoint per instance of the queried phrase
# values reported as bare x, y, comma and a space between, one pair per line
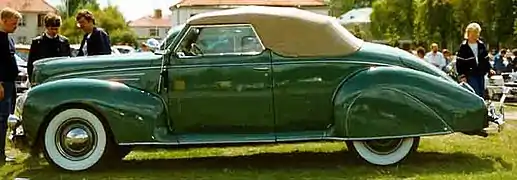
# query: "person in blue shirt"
499, 62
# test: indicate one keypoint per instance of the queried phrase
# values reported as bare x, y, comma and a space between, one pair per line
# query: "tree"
434, 22
70, 7
515, 21
505, 14
338, 7
464, 13
392, 19
109, 18
442, 21
358, 32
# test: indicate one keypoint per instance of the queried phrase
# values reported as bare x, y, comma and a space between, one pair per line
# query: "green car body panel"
131, 114
376, 92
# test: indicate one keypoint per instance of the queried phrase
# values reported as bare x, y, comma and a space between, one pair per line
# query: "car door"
221, 86
303, 95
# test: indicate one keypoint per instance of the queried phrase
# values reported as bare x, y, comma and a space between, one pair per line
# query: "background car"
22, 81
75, 50
22, 50
495, 83
123, 49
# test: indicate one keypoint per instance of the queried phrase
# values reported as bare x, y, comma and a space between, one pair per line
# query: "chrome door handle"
261, 69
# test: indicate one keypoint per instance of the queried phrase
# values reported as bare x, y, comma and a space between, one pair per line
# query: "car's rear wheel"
384, 151
76, 140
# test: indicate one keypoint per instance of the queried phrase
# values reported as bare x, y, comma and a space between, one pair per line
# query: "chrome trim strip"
300, 139
215, 65
277, 63
228, 142
389, 137
209, 65
281, 140
106, 71
116, 75
195, 142
121, 79
334, 61
148, 143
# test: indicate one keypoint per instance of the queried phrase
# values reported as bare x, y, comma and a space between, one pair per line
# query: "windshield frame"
171, 35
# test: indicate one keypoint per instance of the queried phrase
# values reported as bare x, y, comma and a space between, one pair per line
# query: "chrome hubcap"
75, 139
384, 146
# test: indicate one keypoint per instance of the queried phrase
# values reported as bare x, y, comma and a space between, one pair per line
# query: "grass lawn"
511, 107
442, 157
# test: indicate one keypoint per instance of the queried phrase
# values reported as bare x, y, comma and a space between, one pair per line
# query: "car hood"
61, 66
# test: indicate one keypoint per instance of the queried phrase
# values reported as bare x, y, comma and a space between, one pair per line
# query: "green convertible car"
240, 76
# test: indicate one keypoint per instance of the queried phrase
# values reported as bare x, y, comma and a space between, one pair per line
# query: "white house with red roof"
33, 12
185, 9
153, 26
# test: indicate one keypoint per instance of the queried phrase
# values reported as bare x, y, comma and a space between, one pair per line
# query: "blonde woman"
472, 61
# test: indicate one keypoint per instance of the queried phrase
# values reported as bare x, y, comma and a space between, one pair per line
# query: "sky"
133, 9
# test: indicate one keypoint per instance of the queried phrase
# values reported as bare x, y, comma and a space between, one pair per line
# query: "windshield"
173, 32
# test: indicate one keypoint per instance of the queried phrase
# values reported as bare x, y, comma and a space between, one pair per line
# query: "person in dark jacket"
499, 62
96, 41
473, 61
49, 44
8, 72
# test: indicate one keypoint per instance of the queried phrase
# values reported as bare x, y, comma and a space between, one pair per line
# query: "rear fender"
131, 114
396, 102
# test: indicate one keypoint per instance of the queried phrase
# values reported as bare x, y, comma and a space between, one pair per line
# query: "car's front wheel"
75, 140
384, 151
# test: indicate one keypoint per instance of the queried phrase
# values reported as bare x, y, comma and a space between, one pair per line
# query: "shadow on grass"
295, 165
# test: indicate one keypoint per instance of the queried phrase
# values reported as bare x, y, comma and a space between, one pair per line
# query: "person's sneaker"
6, 159
499, 121
10, 159
500, 125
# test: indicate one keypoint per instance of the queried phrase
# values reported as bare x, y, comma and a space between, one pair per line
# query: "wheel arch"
71, 105
130, 114
429, 94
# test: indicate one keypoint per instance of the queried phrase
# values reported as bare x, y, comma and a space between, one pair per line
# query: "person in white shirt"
473, 63
435, 57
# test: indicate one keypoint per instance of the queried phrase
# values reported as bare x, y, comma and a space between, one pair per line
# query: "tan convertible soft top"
288, 31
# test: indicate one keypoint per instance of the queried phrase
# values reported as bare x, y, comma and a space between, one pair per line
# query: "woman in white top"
472, 61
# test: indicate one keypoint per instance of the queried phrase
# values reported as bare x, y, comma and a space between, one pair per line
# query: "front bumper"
17, 135
22, 83
495, 111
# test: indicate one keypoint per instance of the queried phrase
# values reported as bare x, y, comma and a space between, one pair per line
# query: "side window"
219, 41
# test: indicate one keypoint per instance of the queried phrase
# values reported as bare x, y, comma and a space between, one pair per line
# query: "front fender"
395, 101
131, 114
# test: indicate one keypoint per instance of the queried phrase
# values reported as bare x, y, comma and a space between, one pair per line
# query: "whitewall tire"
75, 140
384, 152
